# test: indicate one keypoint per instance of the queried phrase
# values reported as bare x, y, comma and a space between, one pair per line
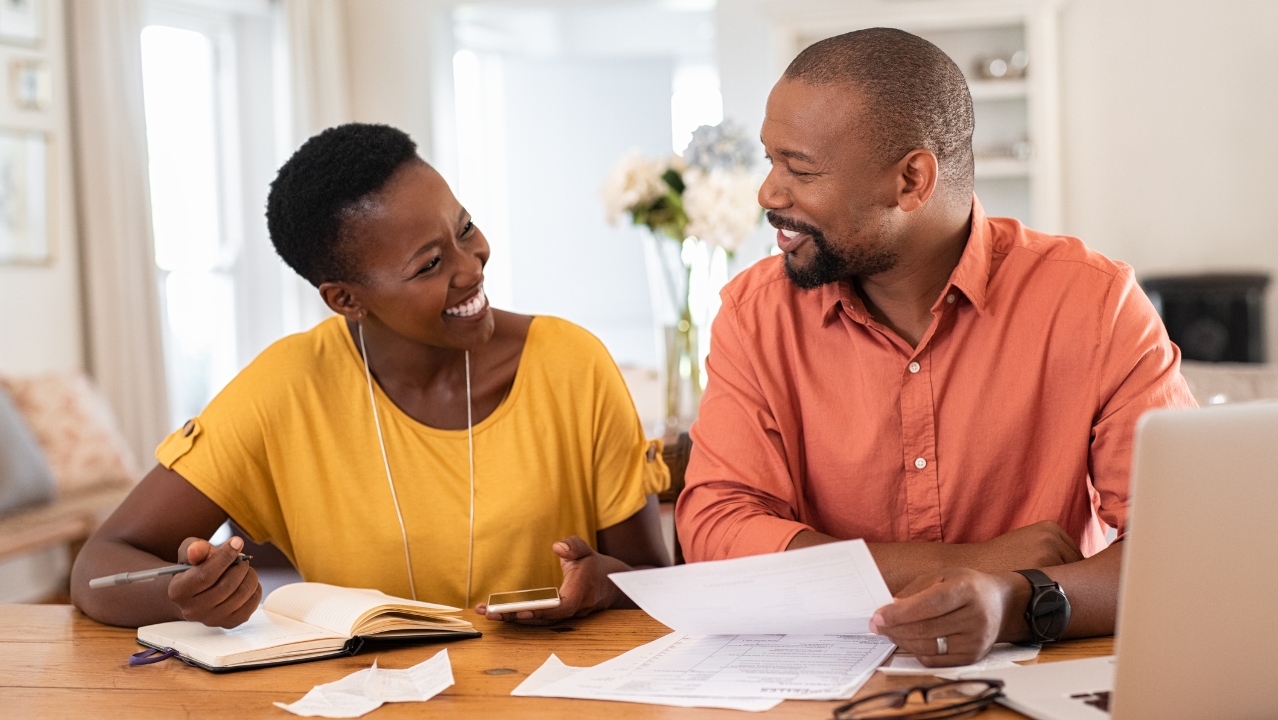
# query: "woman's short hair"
326, 180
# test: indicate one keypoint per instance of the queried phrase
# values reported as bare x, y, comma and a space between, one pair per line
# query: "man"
960, 391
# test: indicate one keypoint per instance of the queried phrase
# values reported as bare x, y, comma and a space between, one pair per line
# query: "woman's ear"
340, 298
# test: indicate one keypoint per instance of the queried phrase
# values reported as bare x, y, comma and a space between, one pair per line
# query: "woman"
419, 442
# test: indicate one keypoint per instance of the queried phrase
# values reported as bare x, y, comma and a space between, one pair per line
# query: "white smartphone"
538, 599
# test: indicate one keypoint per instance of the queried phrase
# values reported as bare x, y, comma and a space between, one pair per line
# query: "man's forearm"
899, 563
1091, 586
1042, 544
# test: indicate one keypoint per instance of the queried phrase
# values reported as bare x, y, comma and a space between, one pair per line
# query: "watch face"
1050, 613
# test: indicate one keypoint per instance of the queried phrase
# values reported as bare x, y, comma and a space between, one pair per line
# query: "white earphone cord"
470, 451
381, 442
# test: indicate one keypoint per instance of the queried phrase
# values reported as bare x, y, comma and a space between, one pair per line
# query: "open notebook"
308, 621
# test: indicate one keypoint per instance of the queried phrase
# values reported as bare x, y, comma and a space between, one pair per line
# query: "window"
196, 288
481, 161
695, 101
199, 182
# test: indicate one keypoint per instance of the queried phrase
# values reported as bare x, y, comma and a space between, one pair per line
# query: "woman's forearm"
130, 605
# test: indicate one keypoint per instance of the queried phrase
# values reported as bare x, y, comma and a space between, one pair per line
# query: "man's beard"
828, 264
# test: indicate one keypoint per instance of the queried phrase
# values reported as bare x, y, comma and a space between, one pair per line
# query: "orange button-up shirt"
1018, 405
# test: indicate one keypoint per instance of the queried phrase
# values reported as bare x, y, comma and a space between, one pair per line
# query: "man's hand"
1043, 544
970, 609
586, 586
218, 591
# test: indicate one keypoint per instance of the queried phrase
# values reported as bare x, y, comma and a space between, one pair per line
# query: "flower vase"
683, 375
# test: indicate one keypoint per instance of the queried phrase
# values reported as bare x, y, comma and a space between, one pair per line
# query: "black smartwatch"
1048, 611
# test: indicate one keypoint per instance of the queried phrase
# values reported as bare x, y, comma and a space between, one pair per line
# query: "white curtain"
319, 73
122, 321
319, 97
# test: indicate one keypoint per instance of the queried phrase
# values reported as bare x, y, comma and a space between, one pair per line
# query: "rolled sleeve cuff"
763, 534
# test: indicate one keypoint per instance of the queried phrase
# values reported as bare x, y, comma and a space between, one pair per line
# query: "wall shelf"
1002, 167
998, 89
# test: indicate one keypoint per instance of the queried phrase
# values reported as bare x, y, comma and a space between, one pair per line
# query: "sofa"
1216, 383
64, 467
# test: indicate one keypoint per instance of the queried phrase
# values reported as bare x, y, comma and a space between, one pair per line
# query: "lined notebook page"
339, 609
216, 646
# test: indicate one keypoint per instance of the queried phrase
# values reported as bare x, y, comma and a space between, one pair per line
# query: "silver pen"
125, 578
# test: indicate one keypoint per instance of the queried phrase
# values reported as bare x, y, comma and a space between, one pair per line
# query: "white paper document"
1002, 655
704, 667
826, 589
364, 691
554, 670
749, 633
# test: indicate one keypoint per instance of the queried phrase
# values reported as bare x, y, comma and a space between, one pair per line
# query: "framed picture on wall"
24, 197
20, 21
29, 83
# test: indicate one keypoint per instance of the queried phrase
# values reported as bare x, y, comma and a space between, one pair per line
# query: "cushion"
1214, 383
75, 428
25, 478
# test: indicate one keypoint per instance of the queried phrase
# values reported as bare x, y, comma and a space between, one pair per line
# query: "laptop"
1197, 632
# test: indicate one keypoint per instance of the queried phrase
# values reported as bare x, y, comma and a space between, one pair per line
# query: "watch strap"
1038, 579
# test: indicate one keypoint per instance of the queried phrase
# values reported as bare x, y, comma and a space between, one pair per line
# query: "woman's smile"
472, 308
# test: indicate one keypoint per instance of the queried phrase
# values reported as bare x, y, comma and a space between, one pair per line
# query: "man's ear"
916, 179
340, 298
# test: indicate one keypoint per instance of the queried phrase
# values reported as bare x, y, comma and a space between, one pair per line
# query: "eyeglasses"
955, 699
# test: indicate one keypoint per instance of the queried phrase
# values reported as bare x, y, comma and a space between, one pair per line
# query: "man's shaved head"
914, 96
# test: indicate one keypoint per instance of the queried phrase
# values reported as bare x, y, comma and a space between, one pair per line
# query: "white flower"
722, 206
634, 182
723, 146
676, 163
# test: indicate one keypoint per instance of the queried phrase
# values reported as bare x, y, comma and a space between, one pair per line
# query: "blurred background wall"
1165, 115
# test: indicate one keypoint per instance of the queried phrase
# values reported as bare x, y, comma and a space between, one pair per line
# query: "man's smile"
790, 240
791, 234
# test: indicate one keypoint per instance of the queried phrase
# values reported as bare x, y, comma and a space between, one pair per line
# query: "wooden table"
55, 662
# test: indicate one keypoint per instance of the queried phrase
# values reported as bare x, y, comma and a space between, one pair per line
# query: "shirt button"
920, 463
914, 367
950, 298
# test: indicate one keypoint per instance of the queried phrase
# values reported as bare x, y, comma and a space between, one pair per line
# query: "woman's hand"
586, 586
218, 591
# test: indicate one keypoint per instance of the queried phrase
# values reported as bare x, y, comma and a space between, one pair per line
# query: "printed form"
750, 632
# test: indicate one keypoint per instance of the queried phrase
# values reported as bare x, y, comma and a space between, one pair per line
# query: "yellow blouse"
289, 450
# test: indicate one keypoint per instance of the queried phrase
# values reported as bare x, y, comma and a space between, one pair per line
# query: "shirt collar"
837, 295
971, 276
